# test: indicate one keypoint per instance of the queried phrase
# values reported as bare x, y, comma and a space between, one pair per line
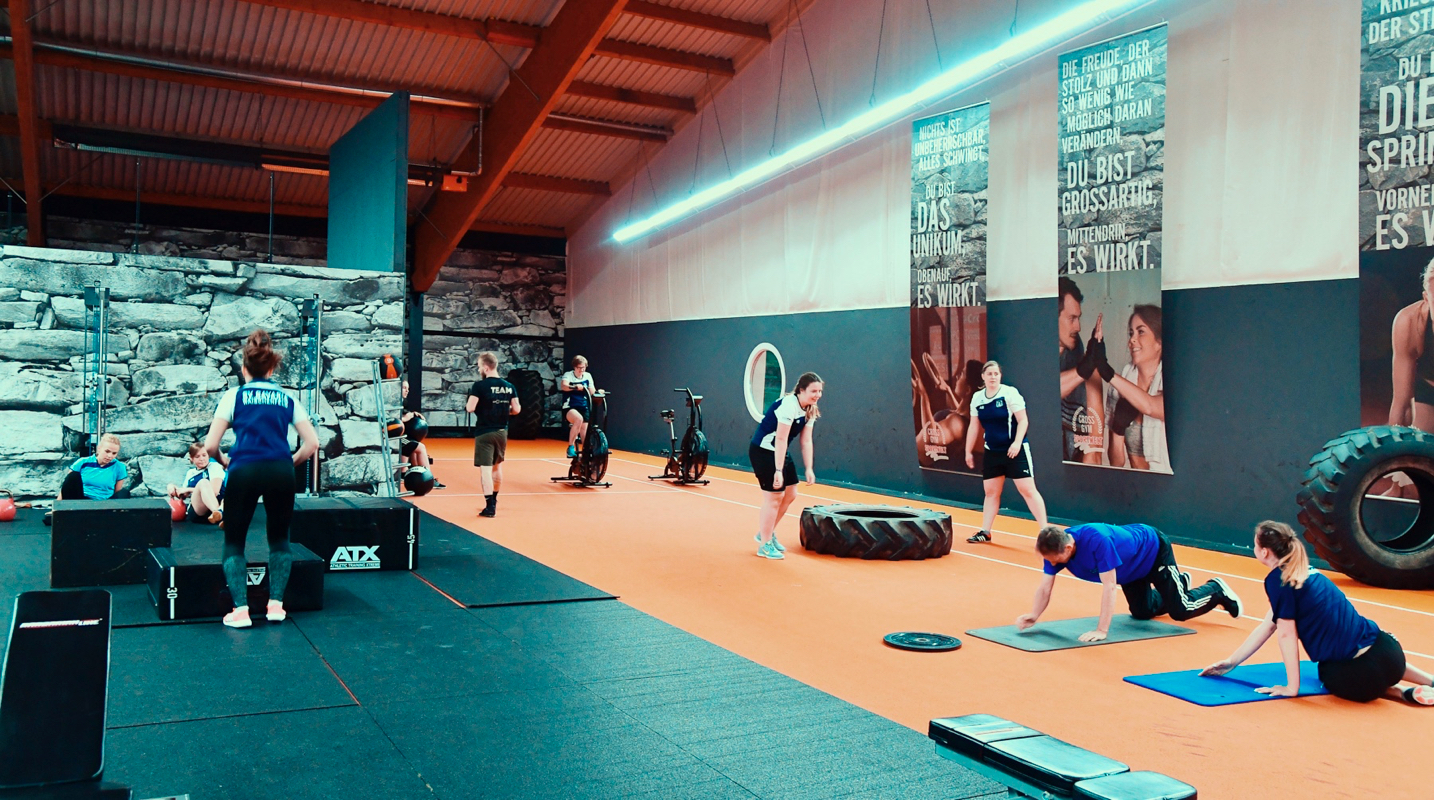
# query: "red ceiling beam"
600, 129
662, 57
517, 117
545, 183
29, 120
634, 97
492, 30
696, 19
261, 84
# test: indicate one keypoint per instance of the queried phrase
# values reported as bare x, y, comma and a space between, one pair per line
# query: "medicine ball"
395, 428
176, 509
417, 428
418, 480
389, 367
7, 507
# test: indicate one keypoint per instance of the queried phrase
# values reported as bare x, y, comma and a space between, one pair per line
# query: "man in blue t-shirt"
1136, 558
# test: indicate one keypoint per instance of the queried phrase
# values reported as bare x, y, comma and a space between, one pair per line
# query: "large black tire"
876, 532
530, 386
1332, 505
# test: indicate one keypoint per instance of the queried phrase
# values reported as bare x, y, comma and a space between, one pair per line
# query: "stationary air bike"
686, 464
590, 464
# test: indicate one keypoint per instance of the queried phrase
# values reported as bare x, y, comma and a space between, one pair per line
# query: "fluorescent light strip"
1033, 41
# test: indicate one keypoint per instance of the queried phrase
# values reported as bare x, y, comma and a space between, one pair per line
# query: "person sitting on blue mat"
1357, 661
1137, 559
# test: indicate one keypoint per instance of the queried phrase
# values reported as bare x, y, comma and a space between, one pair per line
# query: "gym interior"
670, 401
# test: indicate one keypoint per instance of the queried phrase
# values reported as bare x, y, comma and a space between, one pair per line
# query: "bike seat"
667, 414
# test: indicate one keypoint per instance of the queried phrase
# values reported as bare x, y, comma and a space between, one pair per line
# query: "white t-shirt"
787, 410
997, 415
573, 380
1152, 430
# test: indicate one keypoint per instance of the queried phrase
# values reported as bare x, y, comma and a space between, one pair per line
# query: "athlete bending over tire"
260, 465
1002, 412
1137, 559
788, 417
1357, 661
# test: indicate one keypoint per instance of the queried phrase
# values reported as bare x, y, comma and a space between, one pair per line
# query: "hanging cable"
932, 19
697, 157
717, 116
632, 197
1014, 15
876, 70
811, 69
781, 77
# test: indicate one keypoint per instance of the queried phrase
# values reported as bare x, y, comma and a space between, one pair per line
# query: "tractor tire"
876, 532
531, 391
1332, 506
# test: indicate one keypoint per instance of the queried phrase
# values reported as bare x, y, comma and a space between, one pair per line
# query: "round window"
763, 379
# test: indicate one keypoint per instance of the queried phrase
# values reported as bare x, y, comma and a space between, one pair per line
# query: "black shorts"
407, 448
997, 465
582, 412
1365, 677
191, 516
764, 464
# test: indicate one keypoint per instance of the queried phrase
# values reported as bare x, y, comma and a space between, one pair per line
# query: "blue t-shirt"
998, 415
783, 409
261, 414
1130, 550
99, 482
1329, 627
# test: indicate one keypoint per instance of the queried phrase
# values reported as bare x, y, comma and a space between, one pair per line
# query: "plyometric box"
357, 533
103, 542
184, 588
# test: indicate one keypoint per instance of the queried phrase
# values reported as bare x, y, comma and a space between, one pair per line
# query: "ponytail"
807, 379
259, 356
1280, 539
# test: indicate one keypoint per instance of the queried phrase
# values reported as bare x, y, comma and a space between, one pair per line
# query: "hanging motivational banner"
1111, 158
1396, 224
949, 174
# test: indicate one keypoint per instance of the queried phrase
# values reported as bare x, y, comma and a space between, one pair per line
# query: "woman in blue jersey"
1002, 412
577, 388
260, 465
788, 418
1357, 661
97, 477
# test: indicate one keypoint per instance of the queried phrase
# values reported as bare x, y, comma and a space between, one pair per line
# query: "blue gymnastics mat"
1236, 686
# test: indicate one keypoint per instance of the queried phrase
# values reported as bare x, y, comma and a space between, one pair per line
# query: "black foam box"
358, 533
103, 542
183, 587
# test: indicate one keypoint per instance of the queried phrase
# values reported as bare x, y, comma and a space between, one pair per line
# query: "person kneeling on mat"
1137, 559
203, 490
97, 477
492, 400
1357, 661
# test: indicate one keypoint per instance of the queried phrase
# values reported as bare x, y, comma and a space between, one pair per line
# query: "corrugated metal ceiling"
251, 37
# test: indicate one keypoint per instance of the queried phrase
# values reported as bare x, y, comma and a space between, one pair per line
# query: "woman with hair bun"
1357, 661
1001, 410
259, 465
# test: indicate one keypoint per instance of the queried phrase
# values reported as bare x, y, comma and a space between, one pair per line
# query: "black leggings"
1163, 590
1365, 677
74, 489
274, 481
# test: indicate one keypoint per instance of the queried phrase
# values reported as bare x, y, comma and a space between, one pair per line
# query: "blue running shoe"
572, 451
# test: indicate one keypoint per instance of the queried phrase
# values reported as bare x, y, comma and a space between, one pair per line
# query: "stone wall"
176, 327
520, 297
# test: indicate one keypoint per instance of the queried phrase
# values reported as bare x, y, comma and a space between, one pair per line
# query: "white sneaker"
276, 612
238, 618
1420, 695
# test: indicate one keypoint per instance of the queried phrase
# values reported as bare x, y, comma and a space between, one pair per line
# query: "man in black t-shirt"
492, 400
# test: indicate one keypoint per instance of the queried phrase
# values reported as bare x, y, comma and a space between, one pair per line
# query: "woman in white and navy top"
260, 465
788, 419
1002, 412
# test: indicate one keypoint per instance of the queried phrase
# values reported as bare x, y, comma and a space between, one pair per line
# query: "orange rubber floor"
687, 557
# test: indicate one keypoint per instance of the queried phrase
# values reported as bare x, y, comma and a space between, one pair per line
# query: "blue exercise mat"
1236, 686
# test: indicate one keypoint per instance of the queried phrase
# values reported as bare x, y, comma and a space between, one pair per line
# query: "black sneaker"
980, 537
1228, 599
437, 484
1420, 695
490, 511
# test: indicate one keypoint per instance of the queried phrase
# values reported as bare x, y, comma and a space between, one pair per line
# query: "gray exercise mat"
1062, 634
